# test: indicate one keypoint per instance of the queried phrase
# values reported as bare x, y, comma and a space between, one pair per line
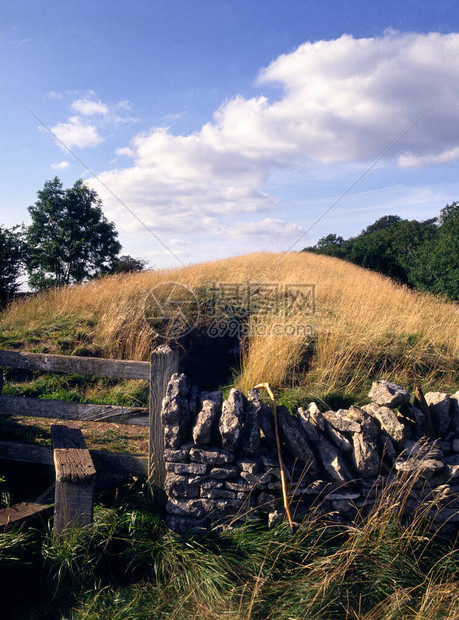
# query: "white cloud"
84, 129
172, 116
77, 133
340, 102
125, 151
52, 94
269, 228
180, 242
102, 112
414, 161
61, 165
10, 37
89, 107
124, 104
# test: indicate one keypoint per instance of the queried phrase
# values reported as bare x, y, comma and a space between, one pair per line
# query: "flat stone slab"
210, 407
338, 438
186, 468
223, 472
439, 403
454, 412
341, 422
211, 456
295, 437
179, 486
231, 420
388, 421
252, 423
333, 462
250, 465
388, 394
203, 507
310, 428
176, 456
365, 456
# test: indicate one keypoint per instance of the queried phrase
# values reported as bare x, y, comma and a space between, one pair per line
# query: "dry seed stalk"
279, 453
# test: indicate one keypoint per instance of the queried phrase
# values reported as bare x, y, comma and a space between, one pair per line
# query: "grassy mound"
127, 566
365, 326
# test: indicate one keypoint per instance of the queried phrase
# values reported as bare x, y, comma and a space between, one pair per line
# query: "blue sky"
230, 126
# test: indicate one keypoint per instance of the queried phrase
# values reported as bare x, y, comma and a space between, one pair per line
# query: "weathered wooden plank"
75, 478
24, 511
126, 464
64, 410
105, 462
72, 460
121, 369
164, 363
25, 453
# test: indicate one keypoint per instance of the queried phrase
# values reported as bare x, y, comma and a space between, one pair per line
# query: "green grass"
98, 436
82, 389
326, 400
77, 388
127, 565
65, 334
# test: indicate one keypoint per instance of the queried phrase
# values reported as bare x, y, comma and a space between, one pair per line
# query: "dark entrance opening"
210, 363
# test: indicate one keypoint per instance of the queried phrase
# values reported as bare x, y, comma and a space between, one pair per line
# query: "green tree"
420, 254
435, 265
331, 245
383, 222
12, 254
69, 240
128, 264
390, 246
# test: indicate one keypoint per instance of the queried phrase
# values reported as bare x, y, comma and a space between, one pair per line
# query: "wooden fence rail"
105, 462
163, 363
64, 410
72, 364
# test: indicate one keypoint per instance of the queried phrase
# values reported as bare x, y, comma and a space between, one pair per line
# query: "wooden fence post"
75, 476
164, 363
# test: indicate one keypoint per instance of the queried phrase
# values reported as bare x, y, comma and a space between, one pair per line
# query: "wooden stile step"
24, 512
75, 477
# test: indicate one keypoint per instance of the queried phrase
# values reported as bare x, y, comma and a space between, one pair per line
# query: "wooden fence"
163, 363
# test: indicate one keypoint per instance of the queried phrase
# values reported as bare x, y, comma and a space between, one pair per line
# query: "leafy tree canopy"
12, 253
382, 223
128, 264
420, 254
69, 240
331, 242
436, 263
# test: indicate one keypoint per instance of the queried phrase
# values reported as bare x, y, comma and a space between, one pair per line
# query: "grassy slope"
365, 325
128, 567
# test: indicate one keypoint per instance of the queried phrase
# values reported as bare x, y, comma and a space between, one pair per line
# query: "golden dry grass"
365, 325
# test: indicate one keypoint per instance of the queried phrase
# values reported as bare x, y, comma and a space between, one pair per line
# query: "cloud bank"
338, 101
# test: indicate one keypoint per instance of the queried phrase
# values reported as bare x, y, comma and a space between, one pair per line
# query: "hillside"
128, 564
364, 326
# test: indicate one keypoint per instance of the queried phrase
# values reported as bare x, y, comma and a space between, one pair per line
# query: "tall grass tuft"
388, 564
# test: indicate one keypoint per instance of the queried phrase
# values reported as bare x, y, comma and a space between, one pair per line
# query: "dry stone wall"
222, 464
